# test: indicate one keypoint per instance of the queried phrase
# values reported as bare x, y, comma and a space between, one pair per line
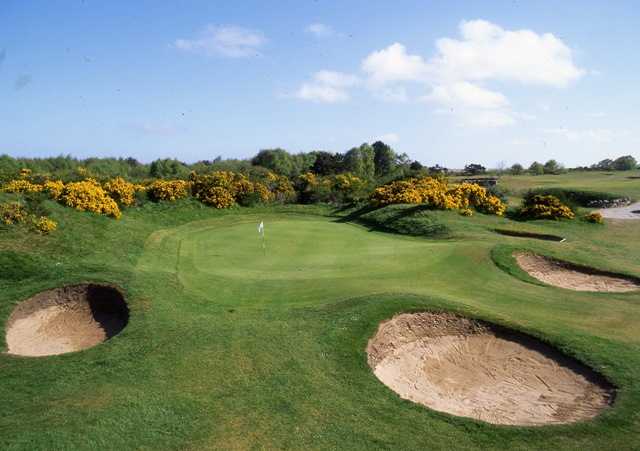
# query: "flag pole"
264, 246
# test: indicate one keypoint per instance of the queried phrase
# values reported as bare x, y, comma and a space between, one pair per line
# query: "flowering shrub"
594, 217
45, 225
88, 195
263, 193
170, 190
25, 172
545, 207
436, 193
21, 186
53, 188
281, 187
121, 191
466, 212
12, 213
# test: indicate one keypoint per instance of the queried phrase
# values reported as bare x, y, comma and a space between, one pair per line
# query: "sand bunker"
66, 319
574, 277
472, 369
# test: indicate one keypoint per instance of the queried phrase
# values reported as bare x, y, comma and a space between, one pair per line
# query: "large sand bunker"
574, 277
66, 319
472, 369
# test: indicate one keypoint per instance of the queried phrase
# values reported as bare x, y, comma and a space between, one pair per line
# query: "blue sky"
446, 82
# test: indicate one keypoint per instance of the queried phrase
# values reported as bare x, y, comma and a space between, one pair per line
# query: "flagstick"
264, 246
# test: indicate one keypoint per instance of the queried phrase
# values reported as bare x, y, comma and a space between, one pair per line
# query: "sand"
65, 320
573, 277
471, 369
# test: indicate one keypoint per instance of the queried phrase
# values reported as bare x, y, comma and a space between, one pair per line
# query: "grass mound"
403, 219
66, 319
473, 369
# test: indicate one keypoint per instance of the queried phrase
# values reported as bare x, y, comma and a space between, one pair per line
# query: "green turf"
229, 346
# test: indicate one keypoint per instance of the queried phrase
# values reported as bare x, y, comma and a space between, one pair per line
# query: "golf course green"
236, 343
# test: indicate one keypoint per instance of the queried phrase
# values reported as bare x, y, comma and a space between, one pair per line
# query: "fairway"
230, 345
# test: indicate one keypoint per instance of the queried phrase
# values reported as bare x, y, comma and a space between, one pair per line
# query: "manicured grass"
229, 346
624, 183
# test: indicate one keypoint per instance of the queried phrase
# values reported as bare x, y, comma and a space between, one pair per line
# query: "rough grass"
229, 348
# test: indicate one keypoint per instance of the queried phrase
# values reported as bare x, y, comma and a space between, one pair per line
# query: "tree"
384, 159
516, 169
536, 168
327, 163
416, 166
474, 169
277, 160
168, 168
625, 163
604, 165
552, 167
359, 161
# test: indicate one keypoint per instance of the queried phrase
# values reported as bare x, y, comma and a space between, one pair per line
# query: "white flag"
261, 228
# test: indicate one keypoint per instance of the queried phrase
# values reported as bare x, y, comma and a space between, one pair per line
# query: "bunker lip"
537, 236
474, 369
66, 319
572, 276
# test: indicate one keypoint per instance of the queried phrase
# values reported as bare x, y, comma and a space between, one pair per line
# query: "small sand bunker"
472, 369
66, 319
574, 277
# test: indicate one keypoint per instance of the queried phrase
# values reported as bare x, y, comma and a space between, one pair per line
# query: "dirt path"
622, 212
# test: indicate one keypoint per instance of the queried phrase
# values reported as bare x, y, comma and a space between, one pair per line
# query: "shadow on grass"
401, 219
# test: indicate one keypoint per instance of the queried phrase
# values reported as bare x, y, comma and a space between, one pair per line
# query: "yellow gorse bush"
45, 225
21, 186
436, 193
12, 213
88, 195
54, 188
545, 207
170, 190
594, 217
121, 191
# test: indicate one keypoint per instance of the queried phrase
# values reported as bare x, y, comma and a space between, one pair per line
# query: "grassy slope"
227, 348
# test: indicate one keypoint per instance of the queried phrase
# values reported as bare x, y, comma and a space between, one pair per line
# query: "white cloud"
394, 64
466, 95
488, 52
229, 40
320, 30
457, 74
387, 138
327, 87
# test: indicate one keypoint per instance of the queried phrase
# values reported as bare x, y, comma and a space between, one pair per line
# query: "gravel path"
622, 212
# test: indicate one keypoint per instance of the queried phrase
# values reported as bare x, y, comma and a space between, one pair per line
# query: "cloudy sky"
446, 82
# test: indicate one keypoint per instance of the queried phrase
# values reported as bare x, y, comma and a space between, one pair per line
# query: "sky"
448, 83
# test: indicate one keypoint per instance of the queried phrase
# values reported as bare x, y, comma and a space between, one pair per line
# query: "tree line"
372, 162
